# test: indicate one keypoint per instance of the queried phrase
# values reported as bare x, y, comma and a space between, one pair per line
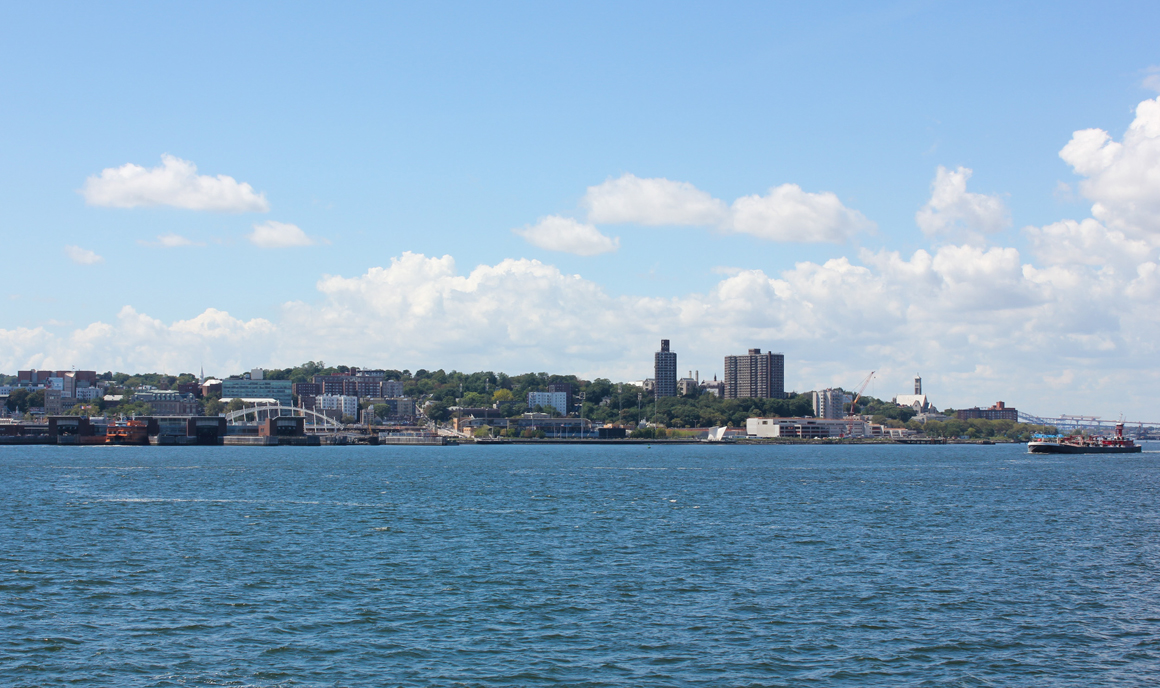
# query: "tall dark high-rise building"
755, 376
665, 371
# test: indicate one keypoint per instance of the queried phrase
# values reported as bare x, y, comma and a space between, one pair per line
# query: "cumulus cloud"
273, 234
1088, 242
787, 213
953, 209
555, 233
135, 341
1122, 177
82, 256
656, 201
175, 183
980, 316
1079, 317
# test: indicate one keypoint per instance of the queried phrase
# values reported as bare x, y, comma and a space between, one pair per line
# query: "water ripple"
585, 566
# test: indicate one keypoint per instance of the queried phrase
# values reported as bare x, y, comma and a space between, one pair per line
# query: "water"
577, 566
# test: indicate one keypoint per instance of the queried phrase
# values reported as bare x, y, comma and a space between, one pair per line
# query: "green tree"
213, 406
439, 412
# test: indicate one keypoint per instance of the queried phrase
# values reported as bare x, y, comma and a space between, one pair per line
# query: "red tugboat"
1080, 444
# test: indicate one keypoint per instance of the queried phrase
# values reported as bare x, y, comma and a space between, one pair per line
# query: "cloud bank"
982, 317
175, 183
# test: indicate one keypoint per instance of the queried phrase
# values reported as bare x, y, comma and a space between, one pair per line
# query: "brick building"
755, 375
997, 411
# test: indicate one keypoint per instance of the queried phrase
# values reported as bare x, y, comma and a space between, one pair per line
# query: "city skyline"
884, 188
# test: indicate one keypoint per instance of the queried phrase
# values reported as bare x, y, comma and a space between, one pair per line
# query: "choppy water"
724, 566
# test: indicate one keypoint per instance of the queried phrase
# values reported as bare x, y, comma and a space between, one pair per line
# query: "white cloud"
1087, 243
556, 233
82, 256
271, 234
1074, 330
789, 214
1123, 178
171, 240
175, 183
1152, 79
786, 214
952, 209
656, 201
982, 317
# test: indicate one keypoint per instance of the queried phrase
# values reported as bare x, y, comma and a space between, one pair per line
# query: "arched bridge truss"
260, 412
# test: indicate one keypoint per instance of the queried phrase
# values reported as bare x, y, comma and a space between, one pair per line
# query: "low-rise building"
535, 422
401, 408
307, 393
924, 417
345, 404
367, 383
807, 428
279, 390
716, 387
52, 401
687, 385
648, 385
169, 402
89, 393
193, 388
557, 400
997, 411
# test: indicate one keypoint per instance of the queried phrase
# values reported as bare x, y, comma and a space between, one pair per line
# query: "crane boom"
862, 388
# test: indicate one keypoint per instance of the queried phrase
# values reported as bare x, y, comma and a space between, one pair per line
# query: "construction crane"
861, 389
854, 404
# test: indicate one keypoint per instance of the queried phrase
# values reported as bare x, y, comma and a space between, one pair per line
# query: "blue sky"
439, 129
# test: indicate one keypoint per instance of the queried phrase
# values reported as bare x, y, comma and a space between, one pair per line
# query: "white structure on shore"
557, 400
916, 401
347, 404
810, 428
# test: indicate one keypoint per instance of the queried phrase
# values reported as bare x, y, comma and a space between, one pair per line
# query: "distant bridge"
314, 420
1069, 423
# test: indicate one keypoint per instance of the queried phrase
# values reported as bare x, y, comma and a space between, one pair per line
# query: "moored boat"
127, 432
1084, 444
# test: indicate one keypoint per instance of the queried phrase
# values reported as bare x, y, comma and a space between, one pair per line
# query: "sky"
966, 191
